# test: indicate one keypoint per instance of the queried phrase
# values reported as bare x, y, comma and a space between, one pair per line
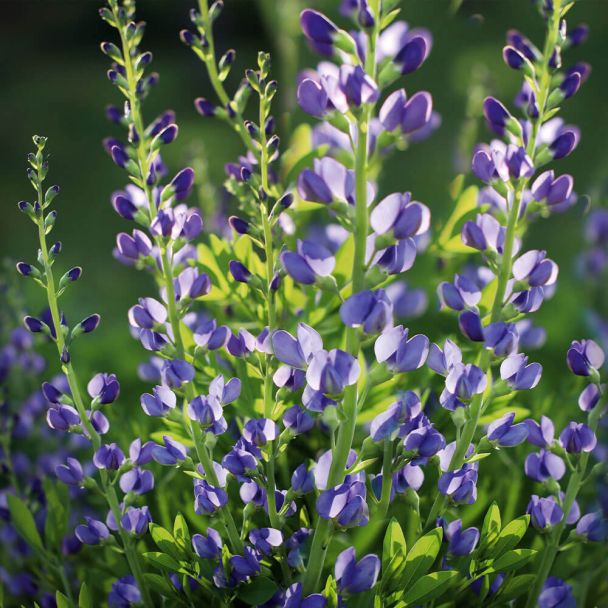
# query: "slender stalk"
387, 478
506, 266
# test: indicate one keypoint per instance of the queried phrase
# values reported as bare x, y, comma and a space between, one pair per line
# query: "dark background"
53, 83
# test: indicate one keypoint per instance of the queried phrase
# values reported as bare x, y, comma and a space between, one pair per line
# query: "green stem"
346, 431
552, 545
387, 478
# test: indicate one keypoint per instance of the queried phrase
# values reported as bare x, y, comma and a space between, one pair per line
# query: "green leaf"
430, 587
516, 587
159, 584
512, 560
181, 532
260, 590
510, 536
421, 556
84, 597
162, 560
62, 600
24, 522
57, 515
466, 204
491, 525
165, 542
394, 544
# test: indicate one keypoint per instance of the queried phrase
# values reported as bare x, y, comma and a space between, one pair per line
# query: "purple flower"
147, 314
259, 431
191, 284
585, 357
176, 372
319, 30
544, 512
556, 594
136, 520
104, 388
425, 441
138, 481
296, 352
245, 565
442, 361
460, 485
497, 116
208, 412
577, 438
355, 577
413, 53
501, 337
410, 115
63, 417
329, 372
592, 526
239, 462
388, 424
208, 547
125, 593
141, 454
541, 434
463, 293
302, 480
399, 353
371, 310
589, 397
294, 598
555, 192
506, 434
484, 233
544, 465
460, 542
70, 473
516, 372
398, 214
170, 453
92, 532
535, 269
354, 88
108, 456
207, 498
239, 271
345, 504
462, 382
298, 420
311, 260
160, 402
265, 540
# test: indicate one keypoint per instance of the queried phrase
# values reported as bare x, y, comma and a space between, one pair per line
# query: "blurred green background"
53, 83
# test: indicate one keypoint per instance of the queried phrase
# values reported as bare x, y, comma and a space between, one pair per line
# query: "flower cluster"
297, 445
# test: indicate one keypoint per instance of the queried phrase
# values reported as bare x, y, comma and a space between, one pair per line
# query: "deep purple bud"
33, 324
564, 143
204, 107
108, 456
239, 225
70, 473
496, 115
317, 27
239, 271
90, 323
585, 357
412, 54
589, 398
25, 269
92, 532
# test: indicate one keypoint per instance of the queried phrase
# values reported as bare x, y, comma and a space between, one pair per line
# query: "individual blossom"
265, 540
259, 431
592, 527
389, 424
410, 116
518, 374
460, 295
319, 30
125, 593
400, 216
245, 565
442, 361
302, 480
160, 402
296, 352
240, 462
484, 233
208, 412
544, 465
175, 372
535, 269
399, 352
370, 310
556, 594
540, 434
461, 485
544, 512
104, 388
135, 520
460, 542
462, 383
330, 372
556, 193
190, 283
170, 453
71, 472
294, 598
577, 438
92, 532
589, 397
424, 441
208, 546
297, 420
147, 314
108, 456
354, 576
502, 338
308, 263
138, 481
62, 417
207, 498
585, 358
345, 504
504, 433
